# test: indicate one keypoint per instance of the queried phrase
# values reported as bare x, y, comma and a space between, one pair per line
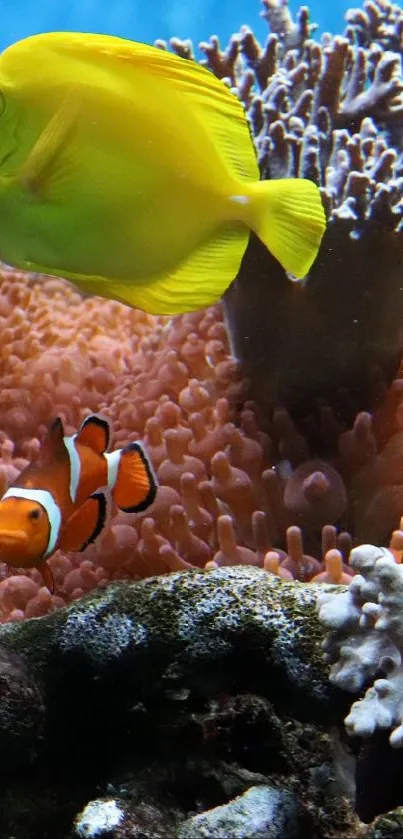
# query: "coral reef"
206, 691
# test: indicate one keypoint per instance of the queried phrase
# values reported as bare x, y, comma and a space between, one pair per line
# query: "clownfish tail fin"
131, 478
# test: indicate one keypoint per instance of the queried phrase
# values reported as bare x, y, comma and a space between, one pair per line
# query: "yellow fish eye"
34, 514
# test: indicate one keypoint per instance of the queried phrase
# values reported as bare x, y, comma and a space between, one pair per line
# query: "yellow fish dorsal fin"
198, 282
40, 169
218, 112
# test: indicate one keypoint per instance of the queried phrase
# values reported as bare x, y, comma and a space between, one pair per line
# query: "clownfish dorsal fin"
94, 432
53, 442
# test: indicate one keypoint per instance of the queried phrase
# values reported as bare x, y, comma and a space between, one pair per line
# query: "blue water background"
145, 20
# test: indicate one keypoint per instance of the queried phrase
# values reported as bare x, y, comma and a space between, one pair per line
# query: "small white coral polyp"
366, 640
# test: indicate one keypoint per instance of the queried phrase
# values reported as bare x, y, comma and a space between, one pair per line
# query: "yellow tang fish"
132, 172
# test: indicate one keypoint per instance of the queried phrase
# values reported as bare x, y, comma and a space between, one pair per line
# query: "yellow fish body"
131, 172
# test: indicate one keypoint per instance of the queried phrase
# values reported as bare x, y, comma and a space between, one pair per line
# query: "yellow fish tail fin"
288, 216
198, 282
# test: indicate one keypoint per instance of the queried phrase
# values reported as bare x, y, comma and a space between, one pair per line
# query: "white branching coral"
366, 641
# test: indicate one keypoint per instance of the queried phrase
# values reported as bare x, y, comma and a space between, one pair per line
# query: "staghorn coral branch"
329, 87
182, 48
378, 20
262, 61
221, 63
377, 100
292, 35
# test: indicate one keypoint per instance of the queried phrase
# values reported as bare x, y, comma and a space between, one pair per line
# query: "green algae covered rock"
193, 620
174, 696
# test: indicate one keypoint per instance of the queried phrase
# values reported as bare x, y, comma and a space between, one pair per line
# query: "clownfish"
132, 172
60, 500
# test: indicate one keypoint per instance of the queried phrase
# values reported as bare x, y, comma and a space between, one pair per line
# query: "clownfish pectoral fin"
131, 478
94, 432
85, 524
47, 575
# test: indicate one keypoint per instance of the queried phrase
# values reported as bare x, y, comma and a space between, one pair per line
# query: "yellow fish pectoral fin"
199, 281
40, 172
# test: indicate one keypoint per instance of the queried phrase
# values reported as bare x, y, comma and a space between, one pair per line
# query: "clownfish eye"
34, 515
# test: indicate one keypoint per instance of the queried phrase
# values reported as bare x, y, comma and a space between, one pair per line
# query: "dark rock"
389, 826
22, 713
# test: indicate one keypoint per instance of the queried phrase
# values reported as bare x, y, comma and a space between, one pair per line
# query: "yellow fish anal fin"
39, 172
198, 282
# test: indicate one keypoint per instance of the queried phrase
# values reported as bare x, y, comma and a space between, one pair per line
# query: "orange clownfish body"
60, 500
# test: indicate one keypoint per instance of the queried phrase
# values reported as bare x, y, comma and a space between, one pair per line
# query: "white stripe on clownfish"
46, 500
113, 460
75, 465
